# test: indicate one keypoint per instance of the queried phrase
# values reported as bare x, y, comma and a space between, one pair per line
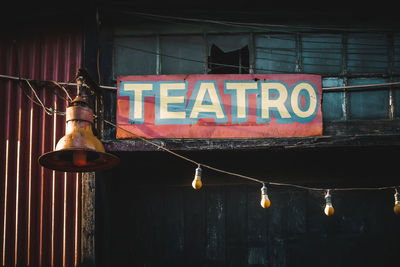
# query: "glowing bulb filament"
329, 210
79, 158
265, 202
396, 207
197, 184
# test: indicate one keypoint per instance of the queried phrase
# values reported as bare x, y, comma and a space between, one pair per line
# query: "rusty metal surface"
39, 208
79, 113
78, 150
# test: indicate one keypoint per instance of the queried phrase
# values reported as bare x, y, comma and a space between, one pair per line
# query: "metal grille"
39, 208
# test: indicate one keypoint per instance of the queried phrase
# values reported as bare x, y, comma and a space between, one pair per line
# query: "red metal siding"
39, 208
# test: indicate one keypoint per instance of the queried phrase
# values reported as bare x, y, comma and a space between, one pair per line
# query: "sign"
219, 106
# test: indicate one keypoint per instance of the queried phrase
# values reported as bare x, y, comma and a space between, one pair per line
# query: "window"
182, 55
228, 54
367, 53
321, 53
275, 53
220, 62
134, 56
343, 59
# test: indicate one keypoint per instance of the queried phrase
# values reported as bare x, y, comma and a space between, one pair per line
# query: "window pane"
369, 104
228, 43
367, 53
396, 57
396, 99
322, 53
134, 56
228, 51
275, 53
182, 55
332, 101
236, 61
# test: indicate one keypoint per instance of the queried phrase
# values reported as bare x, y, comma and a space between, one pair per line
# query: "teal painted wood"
367, 53
372, 104
396, 53
188, 47
275, 53
333, 108
135, 56
396, 102
322, 53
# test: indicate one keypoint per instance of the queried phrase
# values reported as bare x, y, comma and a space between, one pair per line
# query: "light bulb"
396, 207
265, 202
197, 184
329, 210
79, 158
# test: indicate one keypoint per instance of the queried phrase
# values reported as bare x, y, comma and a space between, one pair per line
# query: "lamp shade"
78, 150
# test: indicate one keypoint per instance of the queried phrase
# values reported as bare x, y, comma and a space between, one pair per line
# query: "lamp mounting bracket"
87, 81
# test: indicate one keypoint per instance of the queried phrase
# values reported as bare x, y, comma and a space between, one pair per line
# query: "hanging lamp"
79, 150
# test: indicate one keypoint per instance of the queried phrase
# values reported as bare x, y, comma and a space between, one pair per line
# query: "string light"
265, 202
396, 207
329, 210
197, 184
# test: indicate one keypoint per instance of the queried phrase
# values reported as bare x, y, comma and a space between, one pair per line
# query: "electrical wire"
360, 86
338, 44
152, 143
245, 176
181, 58
9, 77
182, 157
47, 110
62, 88
114, 88
51, 111
351, 60
98, 65
256, 26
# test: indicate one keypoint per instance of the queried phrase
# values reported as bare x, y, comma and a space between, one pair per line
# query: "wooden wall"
147, 214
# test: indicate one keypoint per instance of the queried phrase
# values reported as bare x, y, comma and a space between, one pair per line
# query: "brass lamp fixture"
79, 150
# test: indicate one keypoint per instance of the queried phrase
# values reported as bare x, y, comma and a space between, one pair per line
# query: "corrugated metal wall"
39, 208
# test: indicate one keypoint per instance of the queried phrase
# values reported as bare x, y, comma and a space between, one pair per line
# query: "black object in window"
236, 61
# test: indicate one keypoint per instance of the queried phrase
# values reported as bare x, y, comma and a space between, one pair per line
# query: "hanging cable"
244, 176
197, 179
247, 25
307, 39
47, 110
182, 58
14, 78
152, 143
62, 88
115, 88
